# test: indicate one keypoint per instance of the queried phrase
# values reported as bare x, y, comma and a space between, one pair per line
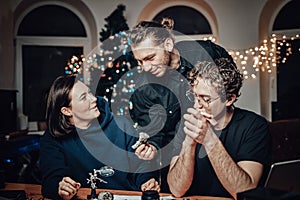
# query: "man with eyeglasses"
159, 100
224, 149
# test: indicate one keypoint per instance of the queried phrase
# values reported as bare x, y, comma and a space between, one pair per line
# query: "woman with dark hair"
83, 136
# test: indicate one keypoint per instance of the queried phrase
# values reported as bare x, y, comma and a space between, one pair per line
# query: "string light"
265, 57
262, 58
74, 65
104, 64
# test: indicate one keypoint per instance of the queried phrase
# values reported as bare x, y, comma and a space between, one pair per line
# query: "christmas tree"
111, 66
117, 58
115, 23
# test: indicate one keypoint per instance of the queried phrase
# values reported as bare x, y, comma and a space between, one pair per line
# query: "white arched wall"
268, 88
156, 6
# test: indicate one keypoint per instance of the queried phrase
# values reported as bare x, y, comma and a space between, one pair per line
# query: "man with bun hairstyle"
159, 100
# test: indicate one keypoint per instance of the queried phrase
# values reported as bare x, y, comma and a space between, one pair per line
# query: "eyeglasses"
202, 100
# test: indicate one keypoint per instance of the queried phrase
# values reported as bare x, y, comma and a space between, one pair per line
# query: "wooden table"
34, 192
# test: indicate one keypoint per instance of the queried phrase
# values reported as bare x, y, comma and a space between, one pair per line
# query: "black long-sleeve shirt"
106, 143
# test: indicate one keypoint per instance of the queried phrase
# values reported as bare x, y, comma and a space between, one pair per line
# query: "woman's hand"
146, 151
67, 188
152, 184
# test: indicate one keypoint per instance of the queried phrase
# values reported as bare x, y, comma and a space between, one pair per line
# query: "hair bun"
167, 23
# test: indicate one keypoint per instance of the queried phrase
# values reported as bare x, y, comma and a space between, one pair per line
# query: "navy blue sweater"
77, 154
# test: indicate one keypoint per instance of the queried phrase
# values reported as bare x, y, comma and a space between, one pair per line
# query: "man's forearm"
181, 171
233, 178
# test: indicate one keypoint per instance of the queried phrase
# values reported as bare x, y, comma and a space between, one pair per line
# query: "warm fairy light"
263, 57
74, 65
260, 58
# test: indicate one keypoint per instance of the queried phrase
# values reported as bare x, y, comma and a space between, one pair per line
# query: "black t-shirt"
246, 138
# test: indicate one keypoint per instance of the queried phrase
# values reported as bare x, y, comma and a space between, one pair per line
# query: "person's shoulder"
244, 114
46, 134
103, 106
47, 138
123, 122
194, 51
214, 50
206, 49
101, 101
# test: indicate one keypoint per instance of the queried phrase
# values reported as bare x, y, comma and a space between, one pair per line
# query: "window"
193, 18
187, 20
51, 20
288, 17
46, 38
41, 66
